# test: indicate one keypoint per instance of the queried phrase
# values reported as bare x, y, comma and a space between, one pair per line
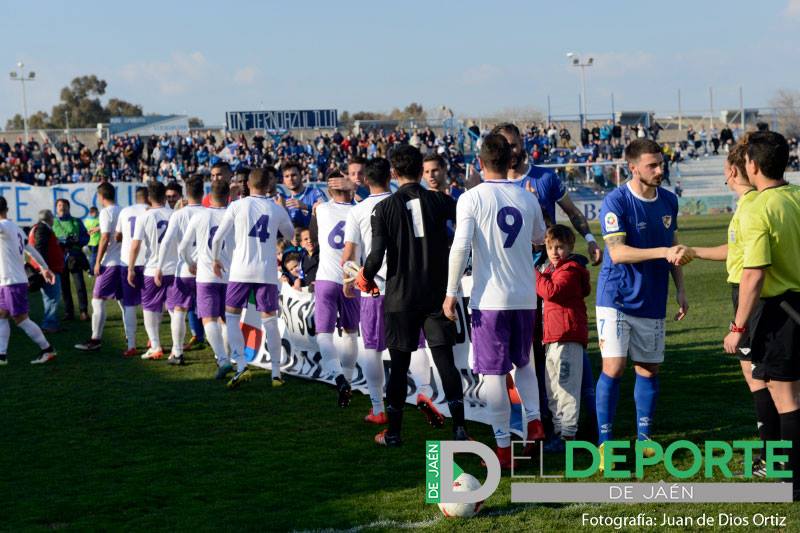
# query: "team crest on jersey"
612, 222
667, 220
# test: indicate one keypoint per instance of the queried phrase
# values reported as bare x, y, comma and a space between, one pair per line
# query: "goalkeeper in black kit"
410, 227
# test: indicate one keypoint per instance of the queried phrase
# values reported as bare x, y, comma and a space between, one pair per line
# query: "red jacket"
45, 241
563, 290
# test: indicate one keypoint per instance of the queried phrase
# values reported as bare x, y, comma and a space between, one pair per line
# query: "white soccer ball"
463, 483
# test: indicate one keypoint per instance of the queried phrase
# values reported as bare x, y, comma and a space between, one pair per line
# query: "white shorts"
621, 335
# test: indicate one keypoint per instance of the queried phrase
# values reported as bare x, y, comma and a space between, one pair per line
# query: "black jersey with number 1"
410, 227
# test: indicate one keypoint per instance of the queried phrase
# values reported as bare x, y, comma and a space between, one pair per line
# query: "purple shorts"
181, 294
238, 294
372, 329
153, 296
108, 284
211, 300
132, 296
500, 338
330, 301
14, 299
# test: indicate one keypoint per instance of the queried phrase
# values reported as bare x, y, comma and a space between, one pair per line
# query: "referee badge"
667, 220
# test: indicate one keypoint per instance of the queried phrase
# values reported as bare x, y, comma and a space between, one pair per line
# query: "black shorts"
775, 340
744, 353
403, 329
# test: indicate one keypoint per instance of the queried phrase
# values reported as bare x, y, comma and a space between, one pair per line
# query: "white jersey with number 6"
499, 221
331, 219
358, 230
257, 222
201, 230
126, 225
150, 229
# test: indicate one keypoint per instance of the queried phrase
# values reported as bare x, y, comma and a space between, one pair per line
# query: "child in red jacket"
563, 285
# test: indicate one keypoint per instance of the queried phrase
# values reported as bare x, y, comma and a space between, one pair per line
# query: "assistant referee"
410, 227
771, 278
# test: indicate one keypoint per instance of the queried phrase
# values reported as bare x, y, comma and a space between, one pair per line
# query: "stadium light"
576, 62
20, 77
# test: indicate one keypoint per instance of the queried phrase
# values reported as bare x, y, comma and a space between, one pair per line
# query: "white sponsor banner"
301, 357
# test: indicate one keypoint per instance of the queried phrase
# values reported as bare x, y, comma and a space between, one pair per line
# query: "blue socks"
196, 326
607, 396
645, 392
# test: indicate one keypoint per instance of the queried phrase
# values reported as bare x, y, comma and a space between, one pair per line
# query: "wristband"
589, 238
733, 328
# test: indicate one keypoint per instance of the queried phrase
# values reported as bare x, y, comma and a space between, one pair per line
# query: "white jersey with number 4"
201, 231
126, 225
109, 217
499, 221
150, 229
331, 219
257, 223
358, 230
12, 254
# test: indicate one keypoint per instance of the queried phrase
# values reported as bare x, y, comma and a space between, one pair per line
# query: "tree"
787, 109
37, 121
195, 122
121, 108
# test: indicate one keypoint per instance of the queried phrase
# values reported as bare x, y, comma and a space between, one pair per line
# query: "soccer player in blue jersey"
638, 221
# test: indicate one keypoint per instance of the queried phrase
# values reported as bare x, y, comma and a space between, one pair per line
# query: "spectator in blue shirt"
300, 200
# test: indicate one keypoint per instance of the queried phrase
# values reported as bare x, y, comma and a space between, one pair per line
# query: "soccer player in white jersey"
181, 293
14, 287
195, 252
499, 222
149, 232
107, 267
331, 307
257, 222
131, 294
358, 244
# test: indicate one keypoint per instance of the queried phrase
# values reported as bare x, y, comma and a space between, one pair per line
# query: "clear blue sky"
204, 58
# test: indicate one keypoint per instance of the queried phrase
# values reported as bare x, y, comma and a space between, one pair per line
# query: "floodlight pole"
576, 62
20, 76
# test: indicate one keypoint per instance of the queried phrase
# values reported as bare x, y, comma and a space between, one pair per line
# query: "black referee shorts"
775, 341
744, 353
403, 329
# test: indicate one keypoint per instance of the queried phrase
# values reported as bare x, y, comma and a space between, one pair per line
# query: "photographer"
72, 236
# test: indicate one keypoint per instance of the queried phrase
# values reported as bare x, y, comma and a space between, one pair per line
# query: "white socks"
33, 331
270, 327
349, 355
152, 325
421, 366
499, 407
235, 339
98, 318
373, 373
5, 335
330, 360
129, 323
528, 389
214, 331
177, 324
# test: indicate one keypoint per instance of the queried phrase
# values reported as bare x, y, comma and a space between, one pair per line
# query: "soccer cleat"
130, 352
175, 360
3, 359
278, 382
534, 435
48, 354
378, 419
345, 391
759, 468
89, 346
602, 449
153, 354
648, 451
504, 457
223, 371
554, 445
239, 378
193, 344
384, 438
432, 414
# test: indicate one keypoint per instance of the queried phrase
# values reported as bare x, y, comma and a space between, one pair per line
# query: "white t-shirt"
331, 219
168, 251
150, 229
127, 221
256, 222
499, 221
12, 254
109, 217
358, 230
197, 241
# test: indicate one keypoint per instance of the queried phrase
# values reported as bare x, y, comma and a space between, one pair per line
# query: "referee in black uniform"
410, 227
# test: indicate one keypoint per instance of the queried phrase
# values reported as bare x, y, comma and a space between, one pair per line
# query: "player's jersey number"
260, 229
336, 236
509, 220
